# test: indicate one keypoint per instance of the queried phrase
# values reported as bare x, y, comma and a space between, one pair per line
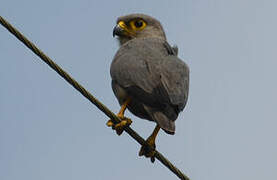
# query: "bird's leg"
148, 149
124, 121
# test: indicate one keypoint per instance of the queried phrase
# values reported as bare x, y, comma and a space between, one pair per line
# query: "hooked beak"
121, 29
118, 31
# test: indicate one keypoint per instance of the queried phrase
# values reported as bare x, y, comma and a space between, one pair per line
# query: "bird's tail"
166, 124
161, 119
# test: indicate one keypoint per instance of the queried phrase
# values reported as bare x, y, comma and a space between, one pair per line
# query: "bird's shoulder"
146, 47
139, 61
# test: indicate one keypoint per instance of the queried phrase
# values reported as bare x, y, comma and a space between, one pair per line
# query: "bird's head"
137, 26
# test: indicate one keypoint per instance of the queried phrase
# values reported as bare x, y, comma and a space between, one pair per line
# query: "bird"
147, 76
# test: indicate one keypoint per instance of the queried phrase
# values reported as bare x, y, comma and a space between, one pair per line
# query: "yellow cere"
126, 29
122, 25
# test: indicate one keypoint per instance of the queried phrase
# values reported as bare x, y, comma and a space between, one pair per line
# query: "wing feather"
147, 70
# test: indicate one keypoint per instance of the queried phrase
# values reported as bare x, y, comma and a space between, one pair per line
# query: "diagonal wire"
89, 96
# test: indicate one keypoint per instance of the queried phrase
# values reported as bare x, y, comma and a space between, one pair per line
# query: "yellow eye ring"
138, 24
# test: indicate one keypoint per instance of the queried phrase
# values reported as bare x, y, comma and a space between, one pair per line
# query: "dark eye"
138, 23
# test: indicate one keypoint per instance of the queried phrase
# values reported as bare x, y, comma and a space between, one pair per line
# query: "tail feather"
166, 124
162, 120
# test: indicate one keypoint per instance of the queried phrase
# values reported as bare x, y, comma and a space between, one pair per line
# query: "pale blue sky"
227, 131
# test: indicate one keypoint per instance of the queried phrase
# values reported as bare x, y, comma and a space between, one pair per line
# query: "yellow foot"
148, 149
119, 127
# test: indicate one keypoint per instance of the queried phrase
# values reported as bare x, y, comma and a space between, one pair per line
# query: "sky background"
227, 131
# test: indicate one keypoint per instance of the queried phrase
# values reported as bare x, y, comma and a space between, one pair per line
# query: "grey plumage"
147, 70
